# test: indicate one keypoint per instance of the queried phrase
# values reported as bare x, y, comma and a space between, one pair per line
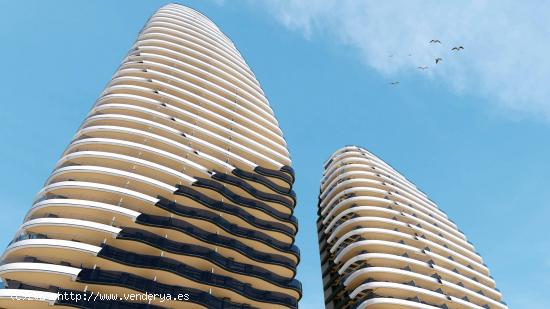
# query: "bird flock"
436, 60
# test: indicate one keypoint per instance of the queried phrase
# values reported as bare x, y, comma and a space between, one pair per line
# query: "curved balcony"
189, 25
361, 247
357, 159
369, 209
78, 253
219, 240
285, 173
289, 227
180, 107
96, 233
202, 277
142, 203
428, 283
196, 163
209, 143
199, 51
81, 209
113, 177
133, 282
421, 267
274, 229
43, 274
406, 297
188, 63
409, 211
221, 94
161, 142
199, 126
78, 164
284, 213
104, 213
88, 232
194, 50
232, 228
349, 173
373, 181
326, 206
197, 24
249, 93
384, 233
257, 178
351, 226
68, 277
287, 199
165, 92
272, 274
198, 41
346, 173
184, 58
189, 91
359, 164
137, 115
149, 186
154, 170
41, 245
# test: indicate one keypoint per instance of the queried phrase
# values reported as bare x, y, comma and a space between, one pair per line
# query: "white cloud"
507, 42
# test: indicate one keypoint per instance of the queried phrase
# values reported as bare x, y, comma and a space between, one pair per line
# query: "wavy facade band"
178, 182
384, 244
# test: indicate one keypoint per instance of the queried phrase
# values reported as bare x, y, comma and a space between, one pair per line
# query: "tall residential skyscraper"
178, 183
384, 244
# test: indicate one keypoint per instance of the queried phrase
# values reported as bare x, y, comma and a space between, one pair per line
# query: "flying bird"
435, 41
437, 60
422, 68
457, 48
394, 83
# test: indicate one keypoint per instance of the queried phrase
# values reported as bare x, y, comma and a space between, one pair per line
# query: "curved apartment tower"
178, 183
384, 244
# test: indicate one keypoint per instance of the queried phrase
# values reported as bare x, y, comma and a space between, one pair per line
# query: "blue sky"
472, 132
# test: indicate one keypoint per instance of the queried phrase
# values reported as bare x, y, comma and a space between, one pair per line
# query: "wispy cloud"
506, 55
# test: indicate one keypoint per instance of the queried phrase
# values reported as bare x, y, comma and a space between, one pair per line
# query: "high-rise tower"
178, 183
384, 244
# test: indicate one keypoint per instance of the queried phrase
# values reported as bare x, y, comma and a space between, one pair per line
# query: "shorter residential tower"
384, 244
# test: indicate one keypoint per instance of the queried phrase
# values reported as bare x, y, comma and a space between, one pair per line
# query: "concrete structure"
384, 244
177, 183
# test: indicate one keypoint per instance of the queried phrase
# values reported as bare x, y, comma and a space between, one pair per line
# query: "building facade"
384, 244
178, 183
